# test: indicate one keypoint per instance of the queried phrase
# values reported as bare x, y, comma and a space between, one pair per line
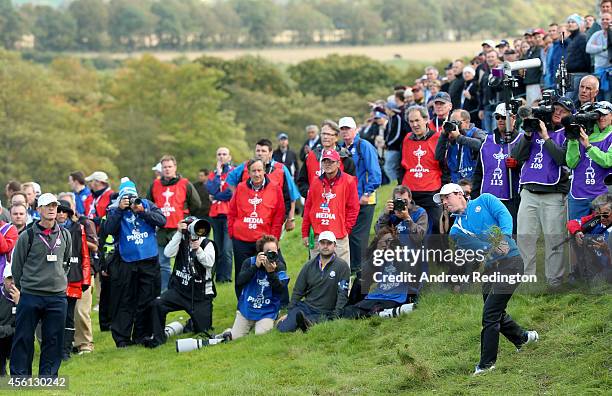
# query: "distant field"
424, 52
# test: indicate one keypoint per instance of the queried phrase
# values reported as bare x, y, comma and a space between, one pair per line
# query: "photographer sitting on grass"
262, 280
191, 287
592, 235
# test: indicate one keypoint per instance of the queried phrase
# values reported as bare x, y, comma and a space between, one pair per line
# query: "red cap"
539, 31
331, 154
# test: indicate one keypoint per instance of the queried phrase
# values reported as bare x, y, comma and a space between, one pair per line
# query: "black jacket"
7, 315
471, 105
534, 74
577, 60
289, 159
204, 208
455, 89
303, 151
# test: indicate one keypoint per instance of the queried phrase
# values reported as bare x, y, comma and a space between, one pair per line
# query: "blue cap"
127, 187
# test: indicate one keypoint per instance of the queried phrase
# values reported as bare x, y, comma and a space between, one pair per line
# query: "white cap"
327, 236
604, 107
7, 271
46, 199
469, 69
447, 189
347, 122
37, 188
500, 109
157, 168
97, 176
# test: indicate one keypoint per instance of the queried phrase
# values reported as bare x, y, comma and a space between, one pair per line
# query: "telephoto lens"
272, 256
173, 329
191, 344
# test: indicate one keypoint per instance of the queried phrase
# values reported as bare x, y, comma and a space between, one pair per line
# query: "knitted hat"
127, 187
576, 18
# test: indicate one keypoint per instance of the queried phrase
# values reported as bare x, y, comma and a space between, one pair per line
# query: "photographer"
485, 224
135, 279
386, 299
459, 145
262, 279
544, 185
590, 157
410, 219
592, 236
495, 167
191, 287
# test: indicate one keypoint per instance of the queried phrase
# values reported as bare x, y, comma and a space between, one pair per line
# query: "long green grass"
430, 351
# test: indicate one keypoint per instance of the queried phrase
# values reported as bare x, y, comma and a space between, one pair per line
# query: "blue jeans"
51, 312
290, 324
165, 268
578, 208
392, 163
224, 244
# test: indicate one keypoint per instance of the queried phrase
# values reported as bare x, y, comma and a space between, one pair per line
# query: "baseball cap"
510, 52
442, 97
347, 122
282, 136
157, 167
566, 103
380, 114
46, 199
529, 32
500, 109
331, 154
97, 176
7, 271
502, 43
445, 190
469, 69
604, 107
490, 43
539, 31
327, 236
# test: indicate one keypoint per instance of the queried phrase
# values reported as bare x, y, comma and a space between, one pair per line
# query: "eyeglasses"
604, 215
499, 117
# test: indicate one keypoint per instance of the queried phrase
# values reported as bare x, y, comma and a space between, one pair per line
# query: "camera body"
135, 200
591, 241
450, 126
272, 256
399, 205
586, 118
543, 112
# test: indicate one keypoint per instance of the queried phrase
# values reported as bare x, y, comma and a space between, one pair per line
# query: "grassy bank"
431, 351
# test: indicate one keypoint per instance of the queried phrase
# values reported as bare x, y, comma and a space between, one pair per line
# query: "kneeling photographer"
592, 236
191, 287
589, 154
410, 219
263, 280
459, 145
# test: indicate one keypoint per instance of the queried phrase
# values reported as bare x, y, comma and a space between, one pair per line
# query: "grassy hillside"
431, 351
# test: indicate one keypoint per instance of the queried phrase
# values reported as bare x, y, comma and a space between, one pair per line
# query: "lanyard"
55, 242
321, 268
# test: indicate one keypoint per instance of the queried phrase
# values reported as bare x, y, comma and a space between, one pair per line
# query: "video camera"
543, 112
586, 118
196, 228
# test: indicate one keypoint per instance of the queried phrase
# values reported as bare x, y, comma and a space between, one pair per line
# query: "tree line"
129, 25
67, 115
